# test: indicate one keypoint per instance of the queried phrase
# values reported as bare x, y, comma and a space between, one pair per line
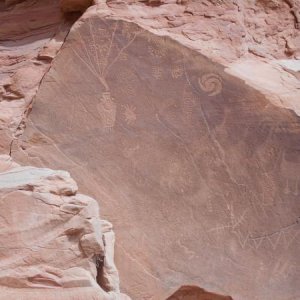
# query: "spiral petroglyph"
211, 83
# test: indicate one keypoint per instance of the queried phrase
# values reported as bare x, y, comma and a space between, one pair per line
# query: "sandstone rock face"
51, 237
31, 33
238, 34
154, 108
225, 30
198, 172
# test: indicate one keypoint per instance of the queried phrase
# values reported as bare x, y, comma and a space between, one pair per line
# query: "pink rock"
25, 30
190, 163
51, 237
181, 118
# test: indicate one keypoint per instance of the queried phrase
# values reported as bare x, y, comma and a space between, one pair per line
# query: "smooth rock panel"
199, 173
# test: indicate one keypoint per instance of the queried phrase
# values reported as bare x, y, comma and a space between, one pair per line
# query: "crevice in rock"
295, 11
100, 272
11, 147
152, 3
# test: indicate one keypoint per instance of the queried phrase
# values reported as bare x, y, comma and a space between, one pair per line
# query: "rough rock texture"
198, 172
31, 33
238, 34
183, 118
231, 29
51, 237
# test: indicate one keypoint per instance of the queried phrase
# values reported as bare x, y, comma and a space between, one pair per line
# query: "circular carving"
211, 83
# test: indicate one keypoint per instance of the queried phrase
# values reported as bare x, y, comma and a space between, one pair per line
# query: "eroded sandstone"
198, 172
196, 169
31, 33
51, 237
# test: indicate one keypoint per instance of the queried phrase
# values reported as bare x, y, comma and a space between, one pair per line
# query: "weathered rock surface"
230, 29
238, 34
198, 172
51, 237
31, 33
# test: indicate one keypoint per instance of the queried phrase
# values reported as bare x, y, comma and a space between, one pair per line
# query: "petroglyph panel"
199, 174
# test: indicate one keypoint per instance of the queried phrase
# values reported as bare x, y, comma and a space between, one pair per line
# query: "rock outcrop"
31, 33
237, 34
195, 293
180, 152
183, 118
52, 238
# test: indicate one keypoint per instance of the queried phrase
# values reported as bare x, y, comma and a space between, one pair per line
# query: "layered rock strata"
31, 33
52, 238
